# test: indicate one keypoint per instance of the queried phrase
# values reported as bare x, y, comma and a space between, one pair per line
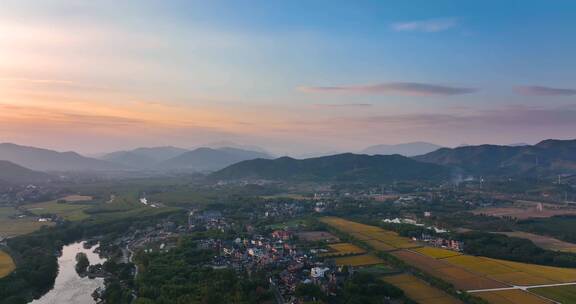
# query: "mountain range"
11, 173
144, 158
406, 149
48, 160
548, 157
208, 159
345, 167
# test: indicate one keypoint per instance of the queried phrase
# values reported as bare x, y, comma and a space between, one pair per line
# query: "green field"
69, 211
13, 226
562, 294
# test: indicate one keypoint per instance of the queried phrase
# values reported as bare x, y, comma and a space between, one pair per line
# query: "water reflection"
69, 287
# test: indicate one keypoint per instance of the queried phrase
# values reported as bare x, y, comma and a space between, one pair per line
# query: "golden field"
436, 253
419, 291
358, 260
465, 272
366, 232
343, 249
514, 273
6, 264
511, 297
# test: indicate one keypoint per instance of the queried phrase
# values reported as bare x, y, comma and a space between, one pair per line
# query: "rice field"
358, 260
386, 239
6, 264
342, 249
461, 278
419, 290
465, 272
437, 253
514, 273
514, 296
562, 294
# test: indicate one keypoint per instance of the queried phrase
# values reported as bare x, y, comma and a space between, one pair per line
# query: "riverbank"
69, 286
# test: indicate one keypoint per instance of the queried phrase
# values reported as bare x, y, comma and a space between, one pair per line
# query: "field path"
525, 288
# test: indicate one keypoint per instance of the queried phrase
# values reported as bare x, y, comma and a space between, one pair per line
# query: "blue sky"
292, 76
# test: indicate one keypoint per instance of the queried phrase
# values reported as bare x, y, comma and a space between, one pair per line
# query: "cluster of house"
10, 195
441, 242
276, 254
207, 220
282, 209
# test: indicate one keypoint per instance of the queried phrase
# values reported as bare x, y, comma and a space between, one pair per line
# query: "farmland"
342, 249
526, 209
315, 236
6, 264
72, 211
562, 294
358, 260
436, 253
11, 225
511, 297
469, 273
542, 241
419, 291
388, 239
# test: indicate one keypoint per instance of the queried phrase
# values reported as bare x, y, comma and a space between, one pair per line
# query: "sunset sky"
290, 76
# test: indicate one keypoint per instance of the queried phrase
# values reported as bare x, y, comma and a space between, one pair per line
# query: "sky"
294, 77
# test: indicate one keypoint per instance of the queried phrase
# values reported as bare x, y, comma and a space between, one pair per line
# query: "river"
69, 287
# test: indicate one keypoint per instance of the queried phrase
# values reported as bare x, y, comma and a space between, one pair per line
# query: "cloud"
393, 88
543, 91
510, 116
344, 105
427, 26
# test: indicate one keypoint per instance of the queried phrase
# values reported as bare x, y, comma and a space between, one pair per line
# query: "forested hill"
11, 173
549, 157
346, 167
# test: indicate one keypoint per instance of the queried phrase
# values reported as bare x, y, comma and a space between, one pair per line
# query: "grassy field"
11, 226
358, 260
512, 297
562, 294
420, 291
72, 211
341, 249
6, 264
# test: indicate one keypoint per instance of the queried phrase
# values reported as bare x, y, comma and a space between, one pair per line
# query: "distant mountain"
346, 167
11, 173
230, 144
208, 159
48, 160
143, 158
547, 157
407, 149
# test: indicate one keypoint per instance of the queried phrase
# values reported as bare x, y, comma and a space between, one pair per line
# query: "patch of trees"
560, 227
180, 276
515, 249
82, 263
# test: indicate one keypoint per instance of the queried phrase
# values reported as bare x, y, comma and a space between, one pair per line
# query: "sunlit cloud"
392, 88
543, 91
429, 26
